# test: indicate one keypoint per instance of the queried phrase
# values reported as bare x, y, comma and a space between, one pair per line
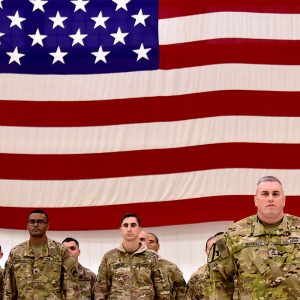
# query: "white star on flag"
1, 3
16, 20
58, 55
100, 55
38, 4
78, 37
119, 36
37, 38
58, 20
15, 56
142, 52
140, 18
100, 20
80, 4
1, 34
121, 4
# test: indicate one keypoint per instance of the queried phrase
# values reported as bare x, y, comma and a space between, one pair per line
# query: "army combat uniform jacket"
175, 278
1, 282
130, 276
199, 286
265, 260
86, 281
52, 275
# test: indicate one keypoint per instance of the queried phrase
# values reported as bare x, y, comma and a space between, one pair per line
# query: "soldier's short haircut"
155, 237
131, 215
268, 179
39, 211
70, 239
213, 237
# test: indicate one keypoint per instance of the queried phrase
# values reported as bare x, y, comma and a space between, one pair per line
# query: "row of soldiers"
256, 258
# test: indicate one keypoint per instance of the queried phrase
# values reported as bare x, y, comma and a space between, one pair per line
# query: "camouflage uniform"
266, 260
199, 286
131, 276
51, 275
1, 282
86, 280
175, 278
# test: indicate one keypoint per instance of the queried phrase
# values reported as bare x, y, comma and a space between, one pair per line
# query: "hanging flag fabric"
171, 109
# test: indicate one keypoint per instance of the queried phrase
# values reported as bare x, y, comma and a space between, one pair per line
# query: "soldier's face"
143, 236
152, 243
37, 225
130, 229
270, 202
72, 246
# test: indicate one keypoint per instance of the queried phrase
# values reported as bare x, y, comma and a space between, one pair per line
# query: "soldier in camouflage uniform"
199, 286
40, 268
171, 270
86, 278
263, 250
1, 277
130, 271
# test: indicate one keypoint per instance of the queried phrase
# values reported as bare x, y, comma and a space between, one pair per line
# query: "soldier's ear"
255, 201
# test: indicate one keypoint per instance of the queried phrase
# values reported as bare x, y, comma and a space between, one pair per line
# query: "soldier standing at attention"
1, 277
171, 270
199, 286
130, 271
40, 268
86, 278
263, 250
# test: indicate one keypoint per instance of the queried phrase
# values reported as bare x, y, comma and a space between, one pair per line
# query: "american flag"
171, 109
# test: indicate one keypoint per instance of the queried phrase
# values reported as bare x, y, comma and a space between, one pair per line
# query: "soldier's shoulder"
87, 272
112, 252
151, 254
241, 227
294, 221
18, 248
201, 273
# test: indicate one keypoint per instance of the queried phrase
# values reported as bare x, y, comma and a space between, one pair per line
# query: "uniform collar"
141, 249
282, 229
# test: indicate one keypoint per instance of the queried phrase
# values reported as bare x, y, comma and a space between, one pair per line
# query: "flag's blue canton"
78, 37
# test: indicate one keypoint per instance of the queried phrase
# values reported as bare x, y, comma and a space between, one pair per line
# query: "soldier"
1, 276
173, 273
86, 278
130, 271
40, 268
263, 250
199, 286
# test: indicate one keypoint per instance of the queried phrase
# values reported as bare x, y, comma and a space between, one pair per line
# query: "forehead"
37, 216
70, 244
151, 237
129, 220
269, 186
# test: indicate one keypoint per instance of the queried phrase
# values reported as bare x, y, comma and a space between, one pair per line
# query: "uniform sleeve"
160, 281
93, 281
70, 277
221, 269
179, 287
1, 284
10, 289
103, 282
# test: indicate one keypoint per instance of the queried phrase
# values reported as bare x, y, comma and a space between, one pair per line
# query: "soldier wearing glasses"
40, 268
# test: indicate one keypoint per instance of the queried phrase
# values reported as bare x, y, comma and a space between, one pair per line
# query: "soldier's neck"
131, 246
37, 241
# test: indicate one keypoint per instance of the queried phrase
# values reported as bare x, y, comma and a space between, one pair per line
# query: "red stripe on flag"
185, 211
178, 8
149, 162
148, 109
219, 51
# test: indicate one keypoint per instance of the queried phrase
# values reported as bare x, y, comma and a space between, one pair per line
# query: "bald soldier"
130, 271
40, 268
262, 251
199, 287
171, 270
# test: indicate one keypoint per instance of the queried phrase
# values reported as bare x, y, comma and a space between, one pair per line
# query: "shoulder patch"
214, 253
74, 272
